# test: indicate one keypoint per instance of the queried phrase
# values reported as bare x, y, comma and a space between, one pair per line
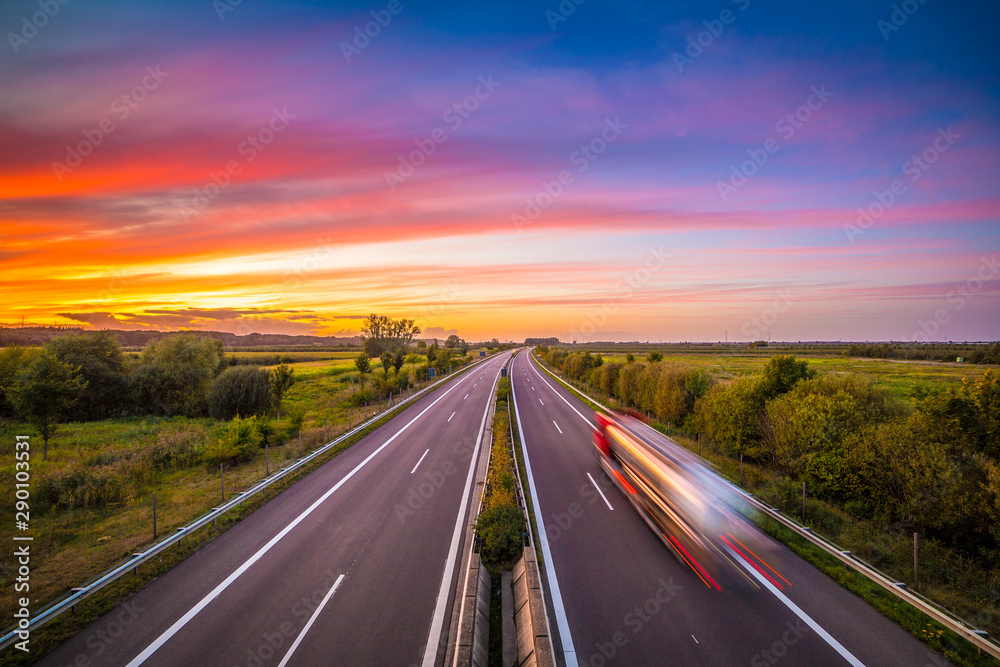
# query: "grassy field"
903, 379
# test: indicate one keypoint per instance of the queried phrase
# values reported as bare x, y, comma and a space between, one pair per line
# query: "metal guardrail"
81, 593
979, 638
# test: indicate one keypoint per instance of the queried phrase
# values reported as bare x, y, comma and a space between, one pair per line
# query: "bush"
240, 390
241, 441
174, 375
501, 533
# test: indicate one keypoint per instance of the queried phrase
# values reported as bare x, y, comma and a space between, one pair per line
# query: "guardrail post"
154, 515
916, 576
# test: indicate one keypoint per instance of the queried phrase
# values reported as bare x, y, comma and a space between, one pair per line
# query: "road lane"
629, 601
386, 530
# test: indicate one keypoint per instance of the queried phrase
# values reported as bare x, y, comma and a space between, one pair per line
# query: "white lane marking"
557, 426
475, 385
204, 602
844, 653
532, 387
541, 401
692, 637
312, 619
589, 423
466, 396
601, 492
437, 623
421, 460
562, 623
452, 415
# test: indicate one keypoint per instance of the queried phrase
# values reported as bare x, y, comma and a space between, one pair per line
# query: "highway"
354, 564
617, 596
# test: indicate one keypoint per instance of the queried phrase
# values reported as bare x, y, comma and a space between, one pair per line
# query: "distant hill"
140, 338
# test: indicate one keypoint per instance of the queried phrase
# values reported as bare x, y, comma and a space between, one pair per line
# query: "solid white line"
601, 492
295, 644
541, 401
562, 623
204, 602
466, 396
844, 653
437, 622
452, 415
557, 426
420, 461
475, 385
589, 423
695, 639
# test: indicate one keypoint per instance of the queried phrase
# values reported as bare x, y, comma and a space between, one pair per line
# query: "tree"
364, 365
174, 375
781, 373
386, 360
629, 358
398, 360
453, 341
11, 360
380, 333
102, 365
240, 390
281, 378
654, 356
44, 390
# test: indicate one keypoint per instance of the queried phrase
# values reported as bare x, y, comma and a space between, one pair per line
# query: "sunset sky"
593, 171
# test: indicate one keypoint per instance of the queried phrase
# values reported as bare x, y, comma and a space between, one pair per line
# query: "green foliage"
44, 390
364, 365
629, 358
398, 359
174, 375
781, 373
239, 444
240, 390
729, 414
383, 334
654, 357
11, 360
500, 529
281, 379
102, 366
386, 360
503, 390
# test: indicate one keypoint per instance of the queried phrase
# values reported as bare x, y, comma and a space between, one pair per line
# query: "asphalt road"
617, 596
352, 565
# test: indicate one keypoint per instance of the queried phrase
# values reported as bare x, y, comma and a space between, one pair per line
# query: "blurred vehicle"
684, 501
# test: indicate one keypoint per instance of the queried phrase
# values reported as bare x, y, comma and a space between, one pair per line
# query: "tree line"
88, 377
931, 465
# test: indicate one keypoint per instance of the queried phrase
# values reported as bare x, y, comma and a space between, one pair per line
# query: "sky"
668, 171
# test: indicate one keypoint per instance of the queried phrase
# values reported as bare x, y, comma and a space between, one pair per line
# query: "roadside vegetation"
501, 525
879, 464
125, 425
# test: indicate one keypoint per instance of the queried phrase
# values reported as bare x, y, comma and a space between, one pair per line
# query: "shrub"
240, 390
240, 442
501, 533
